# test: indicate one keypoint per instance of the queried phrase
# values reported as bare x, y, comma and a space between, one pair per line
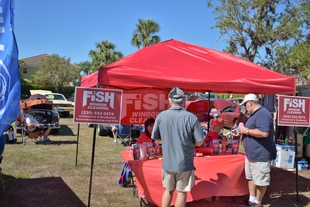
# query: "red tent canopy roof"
193, 68
91, 80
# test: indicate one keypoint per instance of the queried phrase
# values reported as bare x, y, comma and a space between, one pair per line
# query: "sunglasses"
245, 103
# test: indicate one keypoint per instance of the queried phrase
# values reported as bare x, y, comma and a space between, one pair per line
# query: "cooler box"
285, 156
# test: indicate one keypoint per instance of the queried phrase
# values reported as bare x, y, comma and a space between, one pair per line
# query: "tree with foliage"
143, 34
85, 67
22, 66
104, 54
265, 31
56, 72
295, 60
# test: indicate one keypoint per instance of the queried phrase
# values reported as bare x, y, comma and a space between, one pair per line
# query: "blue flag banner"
9, 78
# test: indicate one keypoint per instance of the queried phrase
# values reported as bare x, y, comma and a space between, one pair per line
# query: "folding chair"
37, 135
124, 133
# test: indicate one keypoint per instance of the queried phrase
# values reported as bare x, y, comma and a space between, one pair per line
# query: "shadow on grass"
58, 142
282, 189
48, 192
65, 131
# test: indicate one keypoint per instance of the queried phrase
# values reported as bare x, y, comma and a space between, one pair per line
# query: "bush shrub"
27, 86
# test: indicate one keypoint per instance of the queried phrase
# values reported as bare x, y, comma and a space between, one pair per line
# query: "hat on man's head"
249, 97
176, 93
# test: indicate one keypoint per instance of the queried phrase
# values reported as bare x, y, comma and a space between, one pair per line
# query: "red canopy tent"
193, 68
90, 80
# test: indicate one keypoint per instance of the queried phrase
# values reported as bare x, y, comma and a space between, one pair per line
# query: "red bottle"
290, 141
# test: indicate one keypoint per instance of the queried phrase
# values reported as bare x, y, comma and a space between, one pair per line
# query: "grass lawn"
47, 175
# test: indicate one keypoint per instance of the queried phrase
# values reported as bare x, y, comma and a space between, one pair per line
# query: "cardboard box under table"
285, 156
214, 176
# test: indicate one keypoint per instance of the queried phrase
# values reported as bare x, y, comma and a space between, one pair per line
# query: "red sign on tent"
97, 105
293, 111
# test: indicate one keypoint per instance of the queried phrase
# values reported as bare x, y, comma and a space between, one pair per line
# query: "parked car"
72, 97
43, 112
105, 130
61, 104
204, 96
236, 100
201, 108
228, 111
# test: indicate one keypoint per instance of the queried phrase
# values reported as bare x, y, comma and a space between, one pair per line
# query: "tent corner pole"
296, 162
77, 144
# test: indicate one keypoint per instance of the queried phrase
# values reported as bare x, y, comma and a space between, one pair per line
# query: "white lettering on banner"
290, 104
148, 102
98, 96
151, 102
137, 120
144, 114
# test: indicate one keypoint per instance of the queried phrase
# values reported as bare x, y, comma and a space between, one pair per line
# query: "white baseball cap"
249, 97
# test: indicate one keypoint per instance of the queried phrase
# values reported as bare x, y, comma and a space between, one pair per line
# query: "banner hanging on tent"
293, 111
139, 105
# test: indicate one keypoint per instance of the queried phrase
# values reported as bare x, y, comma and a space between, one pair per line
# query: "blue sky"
71, 28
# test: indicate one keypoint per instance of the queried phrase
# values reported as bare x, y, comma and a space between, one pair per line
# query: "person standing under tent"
179, 132
260, 150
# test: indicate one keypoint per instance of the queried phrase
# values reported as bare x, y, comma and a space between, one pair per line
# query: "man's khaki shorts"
259, 172
181, 181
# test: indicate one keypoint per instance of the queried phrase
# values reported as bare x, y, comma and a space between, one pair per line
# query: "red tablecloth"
215, 176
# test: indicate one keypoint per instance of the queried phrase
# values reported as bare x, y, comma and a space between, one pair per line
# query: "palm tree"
143, 34
85, 67
104, 54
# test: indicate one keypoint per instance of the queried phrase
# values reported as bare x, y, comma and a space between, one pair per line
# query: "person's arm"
155, 132
253, 132
198, 134
32, 125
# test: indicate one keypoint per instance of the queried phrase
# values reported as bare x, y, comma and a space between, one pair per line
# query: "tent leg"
296, 163
77, 144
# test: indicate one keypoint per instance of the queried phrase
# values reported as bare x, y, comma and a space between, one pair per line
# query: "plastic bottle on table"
290, 141
241, 124
224, 145
157, 149
143, 151
286, 140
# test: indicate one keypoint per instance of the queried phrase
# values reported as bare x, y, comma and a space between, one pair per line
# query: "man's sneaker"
115, 143
256, 205
46, 141
245, 203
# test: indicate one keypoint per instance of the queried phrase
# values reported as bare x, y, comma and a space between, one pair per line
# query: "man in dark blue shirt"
259, 148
